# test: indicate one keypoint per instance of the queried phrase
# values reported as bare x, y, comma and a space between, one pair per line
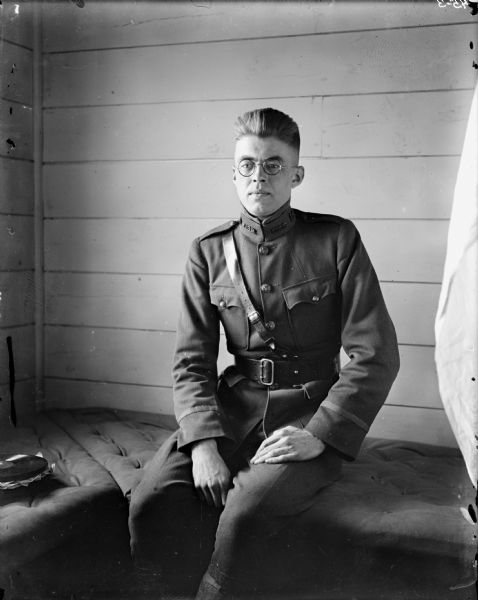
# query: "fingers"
275, 436
213, 492
277, 450
288, 444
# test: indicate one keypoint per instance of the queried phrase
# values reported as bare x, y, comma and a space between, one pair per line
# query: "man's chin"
260, 209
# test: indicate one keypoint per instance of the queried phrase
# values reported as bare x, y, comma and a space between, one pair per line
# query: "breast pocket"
314, 311
232, 315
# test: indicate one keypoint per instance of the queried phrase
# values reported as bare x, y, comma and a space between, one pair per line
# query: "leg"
264, 500
172, 531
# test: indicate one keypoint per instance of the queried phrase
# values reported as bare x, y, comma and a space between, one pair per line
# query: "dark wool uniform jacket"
310, 277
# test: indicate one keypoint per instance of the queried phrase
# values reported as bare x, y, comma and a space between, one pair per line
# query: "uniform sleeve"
196, 405
368, 337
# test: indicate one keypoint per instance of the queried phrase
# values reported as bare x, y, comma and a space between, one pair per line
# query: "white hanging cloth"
456, 325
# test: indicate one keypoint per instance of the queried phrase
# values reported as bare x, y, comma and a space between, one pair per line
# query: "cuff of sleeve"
200, 425
337, 431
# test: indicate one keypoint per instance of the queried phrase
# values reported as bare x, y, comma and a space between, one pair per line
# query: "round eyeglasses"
271, 166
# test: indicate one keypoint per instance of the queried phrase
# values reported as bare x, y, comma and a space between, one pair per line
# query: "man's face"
262, 194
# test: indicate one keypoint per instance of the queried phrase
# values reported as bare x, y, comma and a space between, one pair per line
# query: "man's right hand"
210, 473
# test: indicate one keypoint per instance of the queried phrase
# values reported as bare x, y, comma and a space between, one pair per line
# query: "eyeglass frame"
262, 163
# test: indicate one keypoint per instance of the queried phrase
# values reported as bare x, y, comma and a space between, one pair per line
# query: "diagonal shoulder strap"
234, 269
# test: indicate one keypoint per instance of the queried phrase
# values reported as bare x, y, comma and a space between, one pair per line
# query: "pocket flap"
311, 291
224, 296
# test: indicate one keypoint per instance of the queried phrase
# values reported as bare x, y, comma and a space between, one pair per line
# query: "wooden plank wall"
139, 101
16, 208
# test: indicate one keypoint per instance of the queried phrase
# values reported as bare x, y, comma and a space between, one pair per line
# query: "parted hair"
268, 122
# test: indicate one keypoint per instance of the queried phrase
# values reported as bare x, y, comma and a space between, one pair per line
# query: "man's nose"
259, 173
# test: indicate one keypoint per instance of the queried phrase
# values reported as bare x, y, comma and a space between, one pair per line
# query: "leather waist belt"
283, 372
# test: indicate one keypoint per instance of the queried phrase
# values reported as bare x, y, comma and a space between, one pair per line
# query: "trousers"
201, 551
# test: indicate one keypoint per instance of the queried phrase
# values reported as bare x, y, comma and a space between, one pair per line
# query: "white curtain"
456, 325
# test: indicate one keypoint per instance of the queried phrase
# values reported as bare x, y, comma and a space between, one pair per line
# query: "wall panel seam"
12, 101
415, 406
30, 160
7, 41
17, 326
37, 127
224, 158
258, 38
19, 380
250, 98
146, 385
159, 274
206, 218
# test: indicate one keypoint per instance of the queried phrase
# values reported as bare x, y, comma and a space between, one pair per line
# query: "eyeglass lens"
247, 167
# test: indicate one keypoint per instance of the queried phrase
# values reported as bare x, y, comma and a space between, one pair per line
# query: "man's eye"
247, 165
273, 165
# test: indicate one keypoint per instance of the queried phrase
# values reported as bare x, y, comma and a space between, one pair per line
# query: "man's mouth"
258, 193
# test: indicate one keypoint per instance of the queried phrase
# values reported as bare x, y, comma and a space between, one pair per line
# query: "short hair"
268, 122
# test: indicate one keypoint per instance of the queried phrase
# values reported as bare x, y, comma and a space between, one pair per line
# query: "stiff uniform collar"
269, 228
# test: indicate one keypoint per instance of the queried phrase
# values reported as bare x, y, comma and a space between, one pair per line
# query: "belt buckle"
265, 362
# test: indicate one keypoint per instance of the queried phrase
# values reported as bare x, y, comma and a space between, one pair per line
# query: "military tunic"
310, 277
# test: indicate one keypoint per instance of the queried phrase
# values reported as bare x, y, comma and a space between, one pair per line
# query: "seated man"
256, 445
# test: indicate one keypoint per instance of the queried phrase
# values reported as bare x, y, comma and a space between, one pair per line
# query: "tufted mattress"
398, 525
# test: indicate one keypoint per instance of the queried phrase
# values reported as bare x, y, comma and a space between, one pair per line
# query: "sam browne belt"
284, 373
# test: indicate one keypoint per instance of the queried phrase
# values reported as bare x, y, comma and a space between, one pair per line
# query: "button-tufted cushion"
396, 526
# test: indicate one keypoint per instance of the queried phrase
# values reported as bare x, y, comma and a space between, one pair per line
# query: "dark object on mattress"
396, 526
20, 468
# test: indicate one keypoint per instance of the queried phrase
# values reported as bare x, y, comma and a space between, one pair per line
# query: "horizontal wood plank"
16, 235
16, 18
159, 246
406, 250
145, 358
16, 69
151, 302
419, 187
110, 300
376, 125
16, 186
413, 252
349, 64
416, 383
17, 298
24, 406
23, 345
399, 124
163, 131
424, 425
412, 307
118, 24
68, 393
15, 130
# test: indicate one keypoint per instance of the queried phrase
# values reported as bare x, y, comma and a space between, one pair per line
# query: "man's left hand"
288, 444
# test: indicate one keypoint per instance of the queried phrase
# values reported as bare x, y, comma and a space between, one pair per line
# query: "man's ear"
233, 173
298, 177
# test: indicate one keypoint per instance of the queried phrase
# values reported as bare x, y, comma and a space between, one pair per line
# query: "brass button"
315, 298
222, 304
265, 287
270, 325
263, 250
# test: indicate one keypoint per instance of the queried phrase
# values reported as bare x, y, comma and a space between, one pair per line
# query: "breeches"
177, 536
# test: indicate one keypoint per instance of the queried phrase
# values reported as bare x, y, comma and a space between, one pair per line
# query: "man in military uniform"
256, 445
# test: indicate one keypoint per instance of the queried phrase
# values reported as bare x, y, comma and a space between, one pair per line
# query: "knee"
240, 523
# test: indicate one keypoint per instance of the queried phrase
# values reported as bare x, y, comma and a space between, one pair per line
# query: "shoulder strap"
235, 272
